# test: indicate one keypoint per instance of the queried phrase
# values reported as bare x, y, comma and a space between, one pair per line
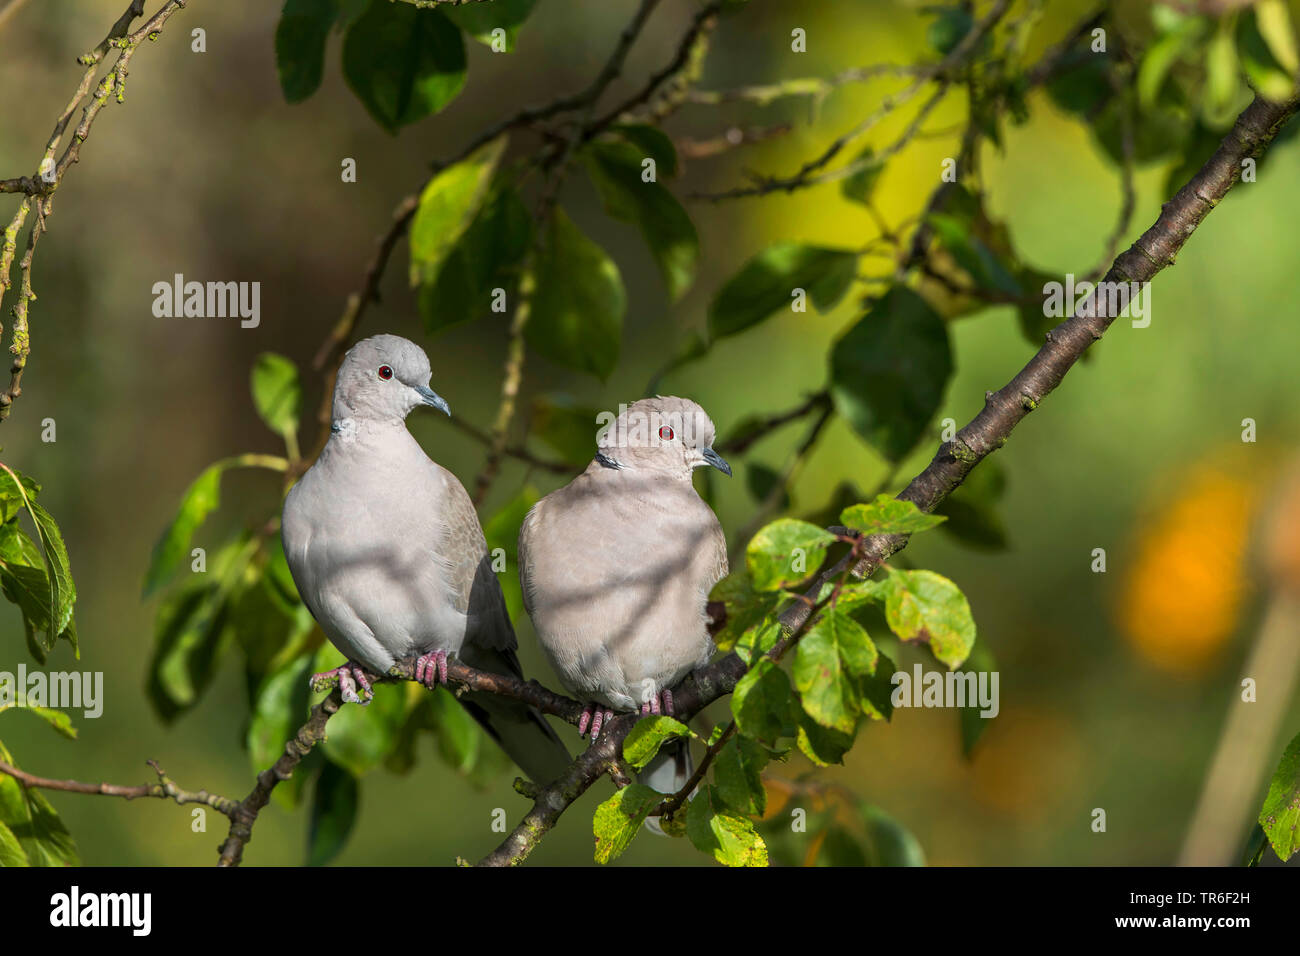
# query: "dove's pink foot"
660, 704
595, 716
348, 675
431, 669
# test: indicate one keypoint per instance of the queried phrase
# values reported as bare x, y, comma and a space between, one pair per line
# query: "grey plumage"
388, 554
617, 566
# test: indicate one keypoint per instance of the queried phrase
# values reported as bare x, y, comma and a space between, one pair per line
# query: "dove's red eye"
385, 372
666, 433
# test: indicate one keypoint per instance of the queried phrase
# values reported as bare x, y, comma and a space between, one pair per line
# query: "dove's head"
381, 379
672, 436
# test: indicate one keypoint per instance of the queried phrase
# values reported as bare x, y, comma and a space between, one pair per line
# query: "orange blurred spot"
1184, 592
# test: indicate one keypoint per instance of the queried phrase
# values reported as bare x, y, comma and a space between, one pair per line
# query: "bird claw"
661, 703
348, 676
431, 669
595, 716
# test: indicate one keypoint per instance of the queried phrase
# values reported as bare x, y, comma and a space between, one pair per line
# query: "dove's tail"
667, 772
518, 728
522, 733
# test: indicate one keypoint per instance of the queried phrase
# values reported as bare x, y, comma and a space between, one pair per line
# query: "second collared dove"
617, 567
388, 554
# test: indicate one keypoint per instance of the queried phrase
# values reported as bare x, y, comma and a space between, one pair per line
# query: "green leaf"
950, 25
840, 848
1280, 814
279, 579
972, 724
489, 256
833, 656
822, 745
448, 204
57, 719
648, 735
1158, 133
39, 582
1274, 25
1270, 78
615, 169
361, 737
758, 641
618, 819
187, 643
1222, 74
567, 427
28, 587
718, 831
652, 142
766, 284
888, 843
480, 19
63, 593
200, 500
403, 63
979, 262
860, 185
761, 703
877, 690
786, 552
926, 607
333, 814
459, 737
270, 632
889, 371
280, 706
502, 533
579, 302
276, 392
888, 515
15, 494
1161, 56
762, 481
748, 609
11, 851
738, 773
34, 822
1083, 84
300, 45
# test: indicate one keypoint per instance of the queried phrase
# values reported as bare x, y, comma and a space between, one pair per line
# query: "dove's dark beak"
432, 398
717, 461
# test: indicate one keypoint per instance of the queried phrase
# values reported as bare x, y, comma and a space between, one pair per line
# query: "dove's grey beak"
430, 397
717, 461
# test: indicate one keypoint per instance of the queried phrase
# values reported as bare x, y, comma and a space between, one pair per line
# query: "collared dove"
389, 557
617, 566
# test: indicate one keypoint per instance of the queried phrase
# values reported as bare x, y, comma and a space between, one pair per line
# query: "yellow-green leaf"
618, 819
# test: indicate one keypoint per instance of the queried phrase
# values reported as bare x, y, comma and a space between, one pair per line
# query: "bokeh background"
1114, 686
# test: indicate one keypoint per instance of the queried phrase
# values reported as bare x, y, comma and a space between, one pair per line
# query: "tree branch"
39, 189
164, 789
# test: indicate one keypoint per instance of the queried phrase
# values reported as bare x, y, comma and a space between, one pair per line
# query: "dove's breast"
364, 547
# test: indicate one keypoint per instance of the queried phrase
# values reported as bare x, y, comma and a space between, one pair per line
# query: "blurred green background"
1114, 686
